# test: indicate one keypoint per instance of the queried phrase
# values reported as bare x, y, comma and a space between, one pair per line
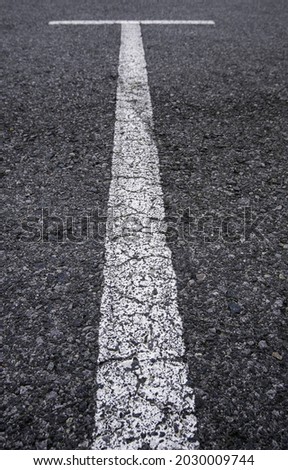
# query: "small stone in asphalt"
262, 344
276, 355
231, 294
200, 277
234, 307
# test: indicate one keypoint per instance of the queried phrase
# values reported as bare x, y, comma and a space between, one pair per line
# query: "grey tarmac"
219, 102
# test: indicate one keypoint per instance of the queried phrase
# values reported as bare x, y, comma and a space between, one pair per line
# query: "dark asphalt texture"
219, 98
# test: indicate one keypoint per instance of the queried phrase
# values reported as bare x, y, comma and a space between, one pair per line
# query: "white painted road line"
143, 399
101, 22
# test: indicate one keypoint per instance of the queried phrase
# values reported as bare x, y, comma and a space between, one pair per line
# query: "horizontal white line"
100, 22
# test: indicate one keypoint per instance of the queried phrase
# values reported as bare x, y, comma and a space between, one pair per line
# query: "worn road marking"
101, 22
143, 399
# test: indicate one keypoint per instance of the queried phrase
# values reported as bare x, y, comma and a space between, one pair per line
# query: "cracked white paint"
143, 399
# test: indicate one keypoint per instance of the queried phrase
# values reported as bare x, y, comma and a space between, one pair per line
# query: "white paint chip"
143, 400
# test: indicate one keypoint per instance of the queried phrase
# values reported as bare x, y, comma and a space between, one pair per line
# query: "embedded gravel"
59, 124
220, 110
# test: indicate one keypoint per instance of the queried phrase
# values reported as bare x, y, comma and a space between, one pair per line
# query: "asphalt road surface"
219, 102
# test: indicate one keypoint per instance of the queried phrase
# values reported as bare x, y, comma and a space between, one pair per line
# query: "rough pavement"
220, 102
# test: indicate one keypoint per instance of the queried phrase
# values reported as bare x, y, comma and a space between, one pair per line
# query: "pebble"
231, 294
69, 421
51, 395
278, 303
200, 277
234, 307
39, 341
212, 330
276, 355
42, 445
262, 344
